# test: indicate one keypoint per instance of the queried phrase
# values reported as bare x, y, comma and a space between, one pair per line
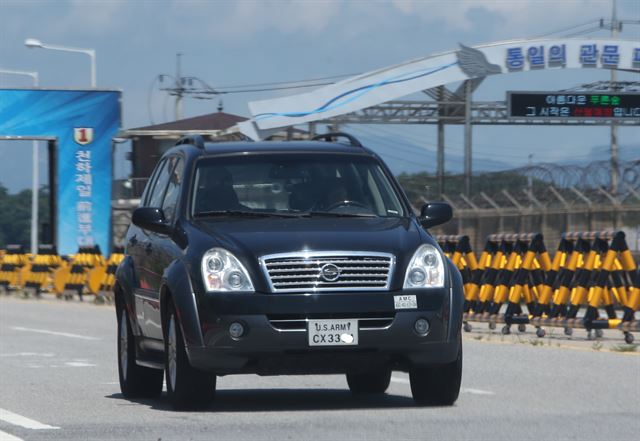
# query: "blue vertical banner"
83, 122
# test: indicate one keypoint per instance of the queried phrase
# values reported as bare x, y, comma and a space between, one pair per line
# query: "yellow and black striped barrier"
101, 278
14, 267
43, 265
590, 270
86, 272
72, 278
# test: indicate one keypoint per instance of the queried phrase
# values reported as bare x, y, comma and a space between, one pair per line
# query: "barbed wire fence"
546, 198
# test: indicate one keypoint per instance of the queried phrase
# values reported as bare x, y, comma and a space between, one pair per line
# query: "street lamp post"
34, 43
36, 170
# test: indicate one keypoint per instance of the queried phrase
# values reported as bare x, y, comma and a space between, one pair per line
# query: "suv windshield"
293, 184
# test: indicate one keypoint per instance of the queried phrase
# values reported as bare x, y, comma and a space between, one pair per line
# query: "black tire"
135, 381
187, 387
437, 385
375, 382
628, 338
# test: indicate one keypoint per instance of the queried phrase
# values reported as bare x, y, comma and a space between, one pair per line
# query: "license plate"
338, 332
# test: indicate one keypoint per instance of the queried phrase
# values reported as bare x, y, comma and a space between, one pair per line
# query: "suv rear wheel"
375, 382
187, 387
437, 385
135, 381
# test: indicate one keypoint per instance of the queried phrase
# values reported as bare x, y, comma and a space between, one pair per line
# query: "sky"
227, 43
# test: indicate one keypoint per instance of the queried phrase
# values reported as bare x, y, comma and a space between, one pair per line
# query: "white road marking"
464, 390
4, 436
79, 364
19, 420
468, 390
29, 354
61, 334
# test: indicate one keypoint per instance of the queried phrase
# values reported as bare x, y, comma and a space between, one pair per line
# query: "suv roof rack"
194, 140
331, 137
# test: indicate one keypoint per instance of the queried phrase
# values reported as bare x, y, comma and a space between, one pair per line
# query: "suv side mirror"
435, 213
152, 219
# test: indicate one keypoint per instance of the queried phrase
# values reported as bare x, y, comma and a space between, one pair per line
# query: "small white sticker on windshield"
405, 302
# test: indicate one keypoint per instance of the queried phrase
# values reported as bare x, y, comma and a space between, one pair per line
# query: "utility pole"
530, 178
179, 90
615, 25
467, 138
440, 158
185, 86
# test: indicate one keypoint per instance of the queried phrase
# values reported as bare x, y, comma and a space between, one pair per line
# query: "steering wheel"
346, 203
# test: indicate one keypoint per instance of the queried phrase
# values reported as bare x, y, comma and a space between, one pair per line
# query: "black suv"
284, 258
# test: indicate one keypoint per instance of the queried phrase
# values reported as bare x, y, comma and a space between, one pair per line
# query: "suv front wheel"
186, 387
437, 385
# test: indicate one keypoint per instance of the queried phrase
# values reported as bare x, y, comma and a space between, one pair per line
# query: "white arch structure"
466, 63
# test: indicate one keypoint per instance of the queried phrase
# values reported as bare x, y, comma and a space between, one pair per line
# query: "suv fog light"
236, 280
421, 326
236, 330
417, 276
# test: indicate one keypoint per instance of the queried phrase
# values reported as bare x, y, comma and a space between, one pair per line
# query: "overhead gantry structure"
372, 98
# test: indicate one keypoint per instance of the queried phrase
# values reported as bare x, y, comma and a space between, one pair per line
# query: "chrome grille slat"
349, 282
315, 261
302, 272
316, 276
315, 270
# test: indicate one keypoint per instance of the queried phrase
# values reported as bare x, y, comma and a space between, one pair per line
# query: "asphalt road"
58, 380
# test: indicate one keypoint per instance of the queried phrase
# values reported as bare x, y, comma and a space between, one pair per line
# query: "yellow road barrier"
14, 268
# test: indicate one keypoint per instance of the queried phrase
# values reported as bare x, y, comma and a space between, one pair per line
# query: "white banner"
393, 82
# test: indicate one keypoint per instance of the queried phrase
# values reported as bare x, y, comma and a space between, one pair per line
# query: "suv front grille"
328, 271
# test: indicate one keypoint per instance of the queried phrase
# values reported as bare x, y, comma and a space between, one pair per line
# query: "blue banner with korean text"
83, 123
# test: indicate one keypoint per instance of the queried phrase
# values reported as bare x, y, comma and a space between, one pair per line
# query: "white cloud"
92, 17
246, 18
520, 17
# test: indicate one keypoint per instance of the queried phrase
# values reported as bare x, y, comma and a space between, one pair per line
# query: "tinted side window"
144, 199
173, 191
157, 194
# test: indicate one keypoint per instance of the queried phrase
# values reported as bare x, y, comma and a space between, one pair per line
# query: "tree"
15, 215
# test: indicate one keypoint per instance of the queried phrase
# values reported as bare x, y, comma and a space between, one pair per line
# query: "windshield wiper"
243, 213
334, 214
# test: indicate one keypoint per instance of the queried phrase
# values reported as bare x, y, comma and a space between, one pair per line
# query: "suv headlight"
426, 269
222, 271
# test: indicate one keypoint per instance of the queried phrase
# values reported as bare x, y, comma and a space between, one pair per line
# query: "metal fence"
548, 199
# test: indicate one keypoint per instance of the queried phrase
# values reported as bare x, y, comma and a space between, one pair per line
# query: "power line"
558, 31
278, 83
268, 89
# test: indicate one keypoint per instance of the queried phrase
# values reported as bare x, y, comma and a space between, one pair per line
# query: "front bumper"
268, 348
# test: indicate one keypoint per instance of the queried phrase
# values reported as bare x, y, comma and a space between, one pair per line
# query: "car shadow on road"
276, 400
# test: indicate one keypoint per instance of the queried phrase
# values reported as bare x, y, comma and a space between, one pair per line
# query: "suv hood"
259, 237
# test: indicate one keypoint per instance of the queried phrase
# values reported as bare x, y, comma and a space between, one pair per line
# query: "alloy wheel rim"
124, 353
172, 353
